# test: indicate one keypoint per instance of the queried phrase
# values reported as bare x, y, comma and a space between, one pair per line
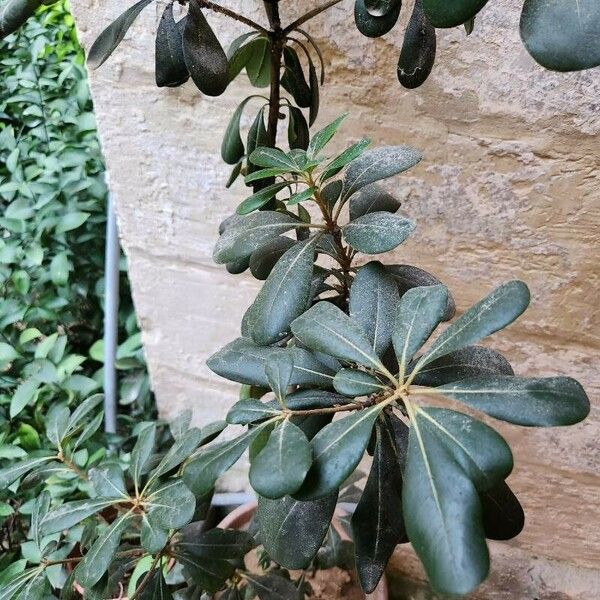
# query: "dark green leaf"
273, 158
96, 562
544, 402
306, 523
153, 537
272, 586
71, 513
330, 194
257, 137
375, 26
377, 522
279, 371
419, 312
353, 383
181, 449
205, 467
235, 173
204, 56
418, 49
503, 516
372, 198
451, 13
249, 411
171, 506
281, 466
494, 312
238, 266
16, 583
469, 25
472, 361
156, 588
210, 575
284, 295
347, 156
258, 66
323, 136
265, 258
15, 13
264, 174
408, 277
298, 134
377, 232
239, 55
171, 70
112, 36
215, 543
57, 423
379, 8
108, 481
325, 328
249, 233
562, 36
293, 79
10, 474
141, 453
337, 450
373, 300
232, 147
313, 81
260, 198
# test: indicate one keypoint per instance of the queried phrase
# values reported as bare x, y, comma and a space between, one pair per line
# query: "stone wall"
509, 188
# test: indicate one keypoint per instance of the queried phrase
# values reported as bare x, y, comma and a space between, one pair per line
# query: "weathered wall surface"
509, 188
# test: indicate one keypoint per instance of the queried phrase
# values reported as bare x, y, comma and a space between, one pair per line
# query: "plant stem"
277, 44
309, 15
231, 14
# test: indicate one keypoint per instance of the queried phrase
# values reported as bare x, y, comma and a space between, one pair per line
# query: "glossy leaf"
494, 312
249, 233
284, 295
171, 506
451, 13
337, 450
379, 8
313, 81
298, 134
353, 383
249, 411
281, 466
203, 469
346, 157
562, 35
472, 361
294, 80
153, 538
156, 588
377, 164
272, 586
181, 449
373, 300
306, 523
209, 574
544, 402
112, 36
273, 158
325, 328
372, 25
320, 139
302, 196
279, 371
372, 198
258, 66
417, 56
377, 232
141, 453
257, 137
108, 481
204, 56
308, 399
265, 258
377, 522
419, 312
260, 198
70, 514
503, 516
170, 70
232, 147
96, 562
217, 543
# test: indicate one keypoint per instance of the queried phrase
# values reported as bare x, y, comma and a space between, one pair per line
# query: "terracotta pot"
241, 517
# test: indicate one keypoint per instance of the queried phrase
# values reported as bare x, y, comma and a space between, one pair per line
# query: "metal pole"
111, 318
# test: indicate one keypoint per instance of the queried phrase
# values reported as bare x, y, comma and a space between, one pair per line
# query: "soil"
334, 584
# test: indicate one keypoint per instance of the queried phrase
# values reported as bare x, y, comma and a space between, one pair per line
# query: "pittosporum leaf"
337, 450
258, 66
330, 194
302, 196
419, 312
325, 328
232, 147
543, 402
265, 258
156, 587
379, 8
377, 232
280, 467
274, 158
284, 295
372, 198
377, 522
376, 25
257, 137
153, 537
472, 361
373, 301
308, 399
298, 134
347, 156
215, 543
451, 13
408, 277
353, 383
108, 481
70, 514
141, 453
377, 164
494, 312
293, 79
562, 36
307, 523
251, 232
280, 371
313, 81
320, 139
260, 198
112, 36
469, 26
272, 586
204, 56
171, 70
239, 54
235, 267
249, 411
171, 506
503, 516
209, 574
418, 49
181, 449
15, 13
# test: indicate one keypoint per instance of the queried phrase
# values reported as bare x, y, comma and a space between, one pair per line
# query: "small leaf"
337, 450
272, 586
250, 233
112, 36
373, 300
69, 514
313, 82
323, 136
96, 562
375, 26
210, 575
260, 198
156, 588
273, 158
503, 516
298, 134
264, 174
183, 447
354, 383
153, 538
108, 481
204, 56
140, 455
419, 312
372, 198
451, 13
377, 164
284, 295
377, 232
249, 411
545, 402
347, 156
279, 371
204, 468
170, 70
232, 147
217, 543
171, 506
562, 36
325, 328
306, 523
257, 137
417, 56
469, 26
494, 312
71, 221
24, 394
293, 79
